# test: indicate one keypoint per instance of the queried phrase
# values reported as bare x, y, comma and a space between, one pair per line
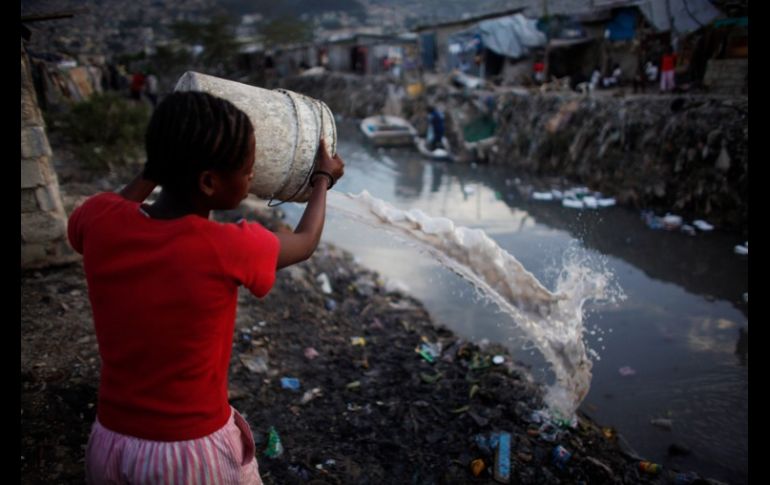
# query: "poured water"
551, 320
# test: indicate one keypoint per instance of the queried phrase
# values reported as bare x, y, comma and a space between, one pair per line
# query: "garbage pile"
576, 198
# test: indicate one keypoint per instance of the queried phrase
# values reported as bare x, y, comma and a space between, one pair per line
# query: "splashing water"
552, 321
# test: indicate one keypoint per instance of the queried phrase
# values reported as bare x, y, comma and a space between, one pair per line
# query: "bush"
106, 131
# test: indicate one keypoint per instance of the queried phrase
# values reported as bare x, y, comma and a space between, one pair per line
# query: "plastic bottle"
274, 446
649, 467
560, 456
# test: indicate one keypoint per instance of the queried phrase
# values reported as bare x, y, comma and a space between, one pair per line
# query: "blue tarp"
511, 36
623, 24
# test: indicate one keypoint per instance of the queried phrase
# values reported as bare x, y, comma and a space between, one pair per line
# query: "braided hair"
190, 132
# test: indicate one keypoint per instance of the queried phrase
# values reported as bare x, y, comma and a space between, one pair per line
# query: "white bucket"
287, 129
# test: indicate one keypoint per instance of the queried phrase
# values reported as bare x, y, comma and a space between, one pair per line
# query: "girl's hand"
333, 165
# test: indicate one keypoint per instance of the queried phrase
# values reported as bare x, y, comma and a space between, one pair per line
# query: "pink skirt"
223, 457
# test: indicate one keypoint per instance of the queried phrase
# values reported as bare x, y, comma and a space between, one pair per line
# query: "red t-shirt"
164, 295
668, 62
137, 82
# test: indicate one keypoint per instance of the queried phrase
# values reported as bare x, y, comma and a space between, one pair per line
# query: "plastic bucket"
287, 127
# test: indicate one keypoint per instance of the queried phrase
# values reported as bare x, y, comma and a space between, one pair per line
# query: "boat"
443, 153
388, 131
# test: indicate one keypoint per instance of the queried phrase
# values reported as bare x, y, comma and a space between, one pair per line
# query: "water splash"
551, 320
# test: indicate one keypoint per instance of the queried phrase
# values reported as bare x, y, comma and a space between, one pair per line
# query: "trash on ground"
353, 385
310, 395
274, 446
649, 467
502, 472
560, 457
326, 285
290, 383
357, 341
430, 379
254, 363
311, 353
429, 351
460, 410
477, 466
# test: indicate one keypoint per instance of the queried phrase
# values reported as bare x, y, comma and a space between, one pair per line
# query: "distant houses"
573, 39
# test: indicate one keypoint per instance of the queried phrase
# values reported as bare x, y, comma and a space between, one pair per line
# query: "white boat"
388, 131
442, 153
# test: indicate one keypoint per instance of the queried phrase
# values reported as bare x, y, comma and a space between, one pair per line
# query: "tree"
286, 30
217, 37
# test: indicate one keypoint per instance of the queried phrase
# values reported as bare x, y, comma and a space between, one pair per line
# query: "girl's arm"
299, 245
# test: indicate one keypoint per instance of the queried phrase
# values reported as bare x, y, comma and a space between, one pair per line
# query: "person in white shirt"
151, 89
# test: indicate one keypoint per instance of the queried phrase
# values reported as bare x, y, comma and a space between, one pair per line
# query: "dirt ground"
370, 410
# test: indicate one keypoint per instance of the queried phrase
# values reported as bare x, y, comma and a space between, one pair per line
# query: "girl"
163, 282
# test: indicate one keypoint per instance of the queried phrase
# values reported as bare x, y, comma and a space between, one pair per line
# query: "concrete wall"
339, 57
43, 219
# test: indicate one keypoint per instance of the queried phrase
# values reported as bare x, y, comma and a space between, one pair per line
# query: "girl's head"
200, 147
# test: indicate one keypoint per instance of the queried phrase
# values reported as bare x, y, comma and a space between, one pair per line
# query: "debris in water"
626, 371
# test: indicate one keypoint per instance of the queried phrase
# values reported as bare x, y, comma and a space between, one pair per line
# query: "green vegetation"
217, 37
286, 30
294, 8
106, 131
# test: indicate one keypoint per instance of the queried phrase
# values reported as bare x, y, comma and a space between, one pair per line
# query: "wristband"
325, 174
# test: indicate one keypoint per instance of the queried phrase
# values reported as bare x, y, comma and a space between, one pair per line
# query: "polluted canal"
646, 330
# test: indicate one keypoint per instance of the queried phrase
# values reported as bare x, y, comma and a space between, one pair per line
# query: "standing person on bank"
435, 128
667, 65
163, 283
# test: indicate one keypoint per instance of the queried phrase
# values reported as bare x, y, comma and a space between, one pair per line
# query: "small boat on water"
388, 131
442, 153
